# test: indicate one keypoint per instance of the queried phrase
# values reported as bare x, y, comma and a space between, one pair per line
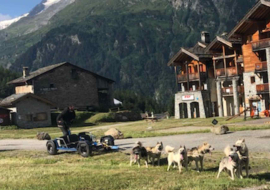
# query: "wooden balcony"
262, 88
261, 44
228, 91
182, 77
231, 71
261, 66
192, 77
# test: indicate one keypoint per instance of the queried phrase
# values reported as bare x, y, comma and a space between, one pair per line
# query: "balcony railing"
261, 66
231, 71
261, 44
229, 90
262, 88
192, 76
182, 77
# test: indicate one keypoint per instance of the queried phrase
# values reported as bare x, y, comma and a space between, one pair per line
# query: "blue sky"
14, 8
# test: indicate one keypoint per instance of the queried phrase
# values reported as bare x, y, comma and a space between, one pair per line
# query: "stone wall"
30, 106
250, 89
66, 86
201, 97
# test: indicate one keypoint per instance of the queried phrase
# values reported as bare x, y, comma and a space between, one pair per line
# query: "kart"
82, 143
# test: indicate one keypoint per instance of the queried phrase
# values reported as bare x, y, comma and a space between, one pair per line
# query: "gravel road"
257, 141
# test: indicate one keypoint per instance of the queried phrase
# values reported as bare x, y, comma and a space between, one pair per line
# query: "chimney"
25, 72
205, 37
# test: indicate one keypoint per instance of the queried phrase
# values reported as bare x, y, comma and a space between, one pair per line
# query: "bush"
10, 127
81, 117
102, 117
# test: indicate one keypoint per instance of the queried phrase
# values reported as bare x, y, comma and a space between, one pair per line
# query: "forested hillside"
6, 76
128, 41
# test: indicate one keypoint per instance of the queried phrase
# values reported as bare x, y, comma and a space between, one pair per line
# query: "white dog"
179, 157
230, 163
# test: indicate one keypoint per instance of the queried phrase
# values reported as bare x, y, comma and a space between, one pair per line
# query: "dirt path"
257, 141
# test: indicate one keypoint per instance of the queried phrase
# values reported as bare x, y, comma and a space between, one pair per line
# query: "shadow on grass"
262, 176
214, 169
9, 150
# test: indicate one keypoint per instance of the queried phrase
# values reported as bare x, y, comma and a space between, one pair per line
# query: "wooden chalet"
228, 67
254, 32
195, 79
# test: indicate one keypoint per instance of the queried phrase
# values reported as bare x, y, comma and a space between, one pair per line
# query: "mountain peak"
6, 23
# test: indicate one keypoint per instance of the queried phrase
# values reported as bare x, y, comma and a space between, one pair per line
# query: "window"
51, 85
29, 117
252, 80
74, 74
249, 38
41, 117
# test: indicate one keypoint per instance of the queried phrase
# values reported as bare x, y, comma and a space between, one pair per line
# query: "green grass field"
29, 170
133, 129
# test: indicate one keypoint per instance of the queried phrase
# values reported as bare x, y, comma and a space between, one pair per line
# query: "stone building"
4, 116
194, 71
65, 84
28, 110
254, 32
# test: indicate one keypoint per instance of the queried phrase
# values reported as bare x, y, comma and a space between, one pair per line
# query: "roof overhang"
182, 56
13, 103
218, 42
36, 74
258, 13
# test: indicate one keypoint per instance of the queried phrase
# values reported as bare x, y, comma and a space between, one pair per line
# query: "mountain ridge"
128, 41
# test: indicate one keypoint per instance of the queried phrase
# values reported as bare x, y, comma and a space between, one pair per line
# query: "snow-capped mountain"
6, 23
38, 17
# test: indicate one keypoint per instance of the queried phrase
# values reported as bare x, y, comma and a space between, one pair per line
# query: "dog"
179, 157
138, 152
230, 163
197, 154
155, 152
242, 151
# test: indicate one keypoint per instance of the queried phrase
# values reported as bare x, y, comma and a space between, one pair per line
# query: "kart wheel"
84, 150
51, 148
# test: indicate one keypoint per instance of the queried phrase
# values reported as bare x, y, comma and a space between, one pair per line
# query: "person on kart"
65, 119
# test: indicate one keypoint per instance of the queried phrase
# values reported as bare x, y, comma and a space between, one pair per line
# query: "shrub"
102, 117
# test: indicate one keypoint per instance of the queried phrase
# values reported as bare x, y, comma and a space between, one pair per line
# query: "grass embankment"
69, 171
132, 129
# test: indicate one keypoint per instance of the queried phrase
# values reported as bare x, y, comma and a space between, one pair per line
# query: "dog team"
236, 157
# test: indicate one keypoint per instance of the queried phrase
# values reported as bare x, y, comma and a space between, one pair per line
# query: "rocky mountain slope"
129, 41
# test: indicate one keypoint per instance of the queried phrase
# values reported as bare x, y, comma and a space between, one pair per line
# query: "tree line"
6, 76
142, 103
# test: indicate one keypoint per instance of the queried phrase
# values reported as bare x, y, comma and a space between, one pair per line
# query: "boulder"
220, 130
43, 136
115, 133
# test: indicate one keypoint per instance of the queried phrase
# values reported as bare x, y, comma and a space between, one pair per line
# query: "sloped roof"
15, 98
197, 52
222, 40
44, 70
258, 12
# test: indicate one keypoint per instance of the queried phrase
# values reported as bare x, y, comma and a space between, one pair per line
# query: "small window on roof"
74, 73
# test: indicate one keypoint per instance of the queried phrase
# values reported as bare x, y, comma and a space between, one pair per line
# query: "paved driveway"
256, 141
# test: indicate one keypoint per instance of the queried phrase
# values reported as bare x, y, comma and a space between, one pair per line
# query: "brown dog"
197, 154
155, 152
